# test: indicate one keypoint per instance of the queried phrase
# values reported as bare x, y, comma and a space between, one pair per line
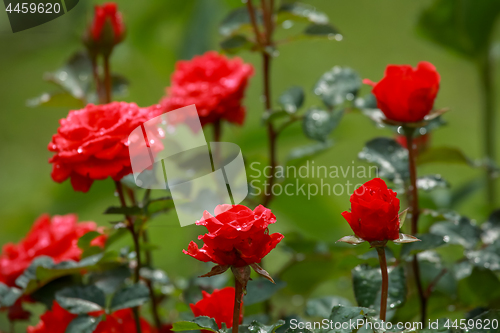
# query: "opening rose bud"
406, 94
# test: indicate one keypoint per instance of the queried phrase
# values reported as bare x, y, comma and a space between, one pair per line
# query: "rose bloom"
406, 94
56, 237
107, 12
214, 83
421, 141
219, 305
374, 214
92, 143
236, 236
57, 320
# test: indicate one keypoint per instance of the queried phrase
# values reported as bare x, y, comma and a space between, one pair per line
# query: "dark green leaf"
130, 211
322, 306
389, 156
427, 242
9, 295
347, 314
301, 154
486, 317
318, 124
462, 232
491, 228
129, 297
260, 290
83, 324
431, 267
297, 11
486, 258
464, 27
322, 30
338, 85
238, 21
292, 99
256, 327
56, 99
462, 269
367, 283
197, 323
81, 300
111, 279
154, 275
235, 44
430, 182
274, 115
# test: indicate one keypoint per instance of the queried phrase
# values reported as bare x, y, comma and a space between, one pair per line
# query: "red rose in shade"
214, 83
406, 94
421, 141
236, 236
219, 306
92, 143
374, 214
56, 237
107, 12
58, 319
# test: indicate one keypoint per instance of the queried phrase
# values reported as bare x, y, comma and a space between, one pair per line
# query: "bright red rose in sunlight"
107, 12
214, 83
56, 237
92, 143
219, 305
236, 236
406, 94
58, 319
374, 214
422, 141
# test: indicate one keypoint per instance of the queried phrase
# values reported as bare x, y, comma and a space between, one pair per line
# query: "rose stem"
107, 78
385, 281
414, 217
264, 42
97, 80
238, 293
148, 263
485, 68
135, 237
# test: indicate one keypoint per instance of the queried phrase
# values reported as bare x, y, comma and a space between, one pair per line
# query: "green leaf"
462, 232
431, 266
81, 300
317, 124
404, 238
235, 44
301, 154
322, 306
75, 76
296, 11
491, 228
353, 240
462, 269
87, 248
110, 280
292, 99
198, 323
367, 282
154, 275
56, 99
443, 155
256, 327
338, 85
129, 297
348, 314
486, 258
486, 317
238, 21
427, 242
9, 295
130, 211
389, 156
83, 324
260, 290
268, 117
464, 27
322, 30
431, 182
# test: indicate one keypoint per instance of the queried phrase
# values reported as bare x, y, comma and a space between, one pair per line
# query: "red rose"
56, 237
406, 94
92, 143
374, 212
214, 83
107, 13
421, 141
236, 236
219, 306
58, 319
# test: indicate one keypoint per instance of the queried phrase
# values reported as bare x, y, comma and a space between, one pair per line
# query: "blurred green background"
376, 33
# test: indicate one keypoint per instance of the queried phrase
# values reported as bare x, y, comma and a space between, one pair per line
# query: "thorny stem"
385, 281
135, 237
414, 209
237, 304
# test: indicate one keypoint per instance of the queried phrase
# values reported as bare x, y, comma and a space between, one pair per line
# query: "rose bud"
218, 305
107, 28
374, 212
406, 94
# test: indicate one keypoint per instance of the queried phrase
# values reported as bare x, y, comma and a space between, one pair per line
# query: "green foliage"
81, 300
292, 99
197, 323
129, 297
318, 124
83, 324
322, 306
462, 232
260, 290
337, 86
300, 12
